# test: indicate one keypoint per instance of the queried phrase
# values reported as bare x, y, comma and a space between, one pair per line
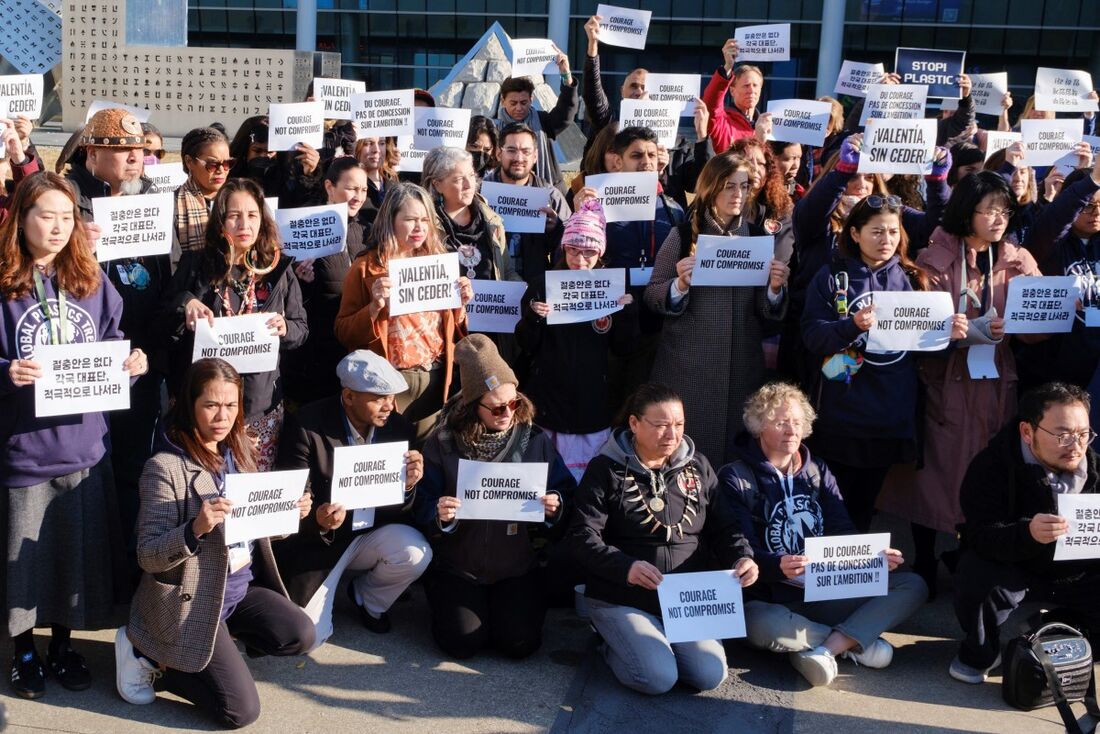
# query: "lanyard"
60, 334
967, 294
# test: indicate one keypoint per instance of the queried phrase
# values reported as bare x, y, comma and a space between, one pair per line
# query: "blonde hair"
383, 235
836, 115
763, 404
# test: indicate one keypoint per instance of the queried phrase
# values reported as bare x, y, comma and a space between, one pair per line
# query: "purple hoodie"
36, 450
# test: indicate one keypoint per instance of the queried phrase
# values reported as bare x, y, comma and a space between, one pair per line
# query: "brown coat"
961, 415
357, 329
175, 613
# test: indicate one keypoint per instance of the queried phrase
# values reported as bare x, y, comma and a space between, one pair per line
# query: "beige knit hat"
480, 367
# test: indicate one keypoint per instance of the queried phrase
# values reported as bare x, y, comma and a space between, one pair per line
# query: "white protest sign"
706, 605
578, 296
382, 114
1082, 540
369, 476
996, 140
898, 146
335, 95
682, 88
265, 504
244, 341
764, 42
894, 102
987, 91
1041, 304
501, 490
732, 261
271, 203
140, 113
1071, 161
166, 177
295, 122
313, 231
663, 118
847, 566
496, 306
21, 96
1063, 90
625, 27
910, 321
1048, 140
533, 56
800, 120
424, 283
133, 226
855, 76
626, 197
520, 207
435, 127
81, 378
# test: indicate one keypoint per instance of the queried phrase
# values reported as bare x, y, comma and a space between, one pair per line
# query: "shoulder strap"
1064, 709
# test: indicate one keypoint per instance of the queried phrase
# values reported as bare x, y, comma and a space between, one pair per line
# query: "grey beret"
367, 371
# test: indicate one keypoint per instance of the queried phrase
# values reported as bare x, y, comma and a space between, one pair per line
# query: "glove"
977, 330
849, 157
940, 167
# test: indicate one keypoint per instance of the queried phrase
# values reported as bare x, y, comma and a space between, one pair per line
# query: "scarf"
1060, 482
542, 165
495, 445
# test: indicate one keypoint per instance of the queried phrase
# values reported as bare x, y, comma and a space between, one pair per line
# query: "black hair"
1037, 401
647, 394
339, 166
778, 146
220, 127
963, 154
252, 130
967, 196
197, 139
482, 125
517, 128
150, 129
516, 84
628, 135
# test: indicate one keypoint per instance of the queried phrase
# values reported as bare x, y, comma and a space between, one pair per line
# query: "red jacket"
727, 126
18, 172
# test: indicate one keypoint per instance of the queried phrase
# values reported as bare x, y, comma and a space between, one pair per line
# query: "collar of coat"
944, 248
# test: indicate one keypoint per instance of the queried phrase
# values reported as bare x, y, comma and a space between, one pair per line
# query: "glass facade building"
402, 43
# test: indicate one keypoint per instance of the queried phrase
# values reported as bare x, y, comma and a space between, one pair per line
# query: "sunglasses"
500, 410
877, 202
158, 154
213, 166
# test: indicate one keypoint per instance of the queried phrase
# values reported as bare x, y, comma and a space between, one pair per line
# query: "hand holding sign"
1046, 528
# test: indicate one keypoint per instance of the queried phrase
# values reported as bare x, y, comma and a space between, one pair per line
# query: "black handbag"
1050, 666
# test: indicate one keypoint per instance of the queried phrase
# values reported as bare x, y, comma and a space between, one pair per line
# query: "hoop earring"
260, 272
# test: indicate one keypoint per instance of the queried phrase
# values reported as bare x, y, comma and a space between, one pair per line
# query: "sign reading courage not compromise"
626, 197
701, 606
369, 476
265, 504
910, 321
519, 207
732, 261
501, 490
245, 341
81, 378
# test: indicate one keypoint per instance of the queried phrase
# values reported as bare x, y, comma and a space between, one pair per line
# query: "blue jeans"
641, 658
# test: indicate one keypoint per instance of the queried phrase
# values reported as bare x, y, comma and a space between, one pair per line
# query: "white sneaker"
818, 666
878, 654
134, 675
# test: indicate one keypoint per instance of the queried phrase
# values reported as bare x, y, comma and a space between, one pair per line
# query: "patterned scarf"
192, 214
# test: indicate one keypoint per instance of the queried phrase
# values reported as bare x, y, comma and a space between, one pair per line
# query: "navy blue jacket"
632, 244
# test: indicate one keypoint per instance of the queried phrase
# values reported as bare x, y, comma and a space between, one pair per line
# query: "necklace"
470, 256
687, 482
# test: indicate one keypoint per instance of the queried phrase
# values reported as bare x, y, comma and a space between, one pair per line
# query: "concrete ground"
400, 683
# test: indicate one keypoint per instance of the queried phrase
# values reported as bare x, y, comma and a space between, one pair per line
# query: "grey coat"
710, 348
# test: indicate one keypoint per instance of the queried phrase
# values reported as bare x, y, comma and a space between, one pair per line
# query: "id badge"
239, 557
640, 276
122, 274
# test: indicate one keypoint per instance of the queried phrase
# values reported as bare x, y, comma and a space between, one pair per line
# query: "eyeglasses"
512, 150
783, 426
662, 427
877, 202
1094, 207
500, 410
1065, 440
995, 213
213, 166
158, 154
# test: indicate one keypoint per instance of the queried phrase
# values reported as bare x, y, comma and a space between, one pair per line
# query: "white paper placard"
166, 177
1082, 540
682, 88
1063, 90
894, 102
910, 321
265, 504
1048, 140
987, 91
244, 341
435, 127
898, 146
520, 207
579, 296
800, 120
79, 378
21, 96
501, 490
764, 42
663, 118
705, 605
625, 27
272, 204
639, 276
424, 283
295, 122
310, 232
369, 476
1070, 161
626, 197
855, 76
382, 114
496, 306
732, 261
335, 95
981, 361
140, 113
847, 566
134, 226
1041, 304
996, 140
533, 56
